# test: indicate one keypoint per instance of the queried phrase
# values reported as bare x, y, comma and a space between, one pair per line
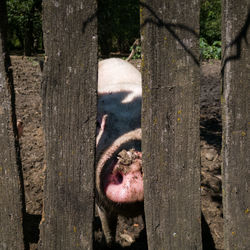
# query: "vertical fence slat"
69, 116
236, 123
11, 207
170, 123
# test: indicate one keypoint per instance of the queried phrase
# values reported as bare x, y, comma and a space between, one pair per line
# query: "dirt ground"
131, 233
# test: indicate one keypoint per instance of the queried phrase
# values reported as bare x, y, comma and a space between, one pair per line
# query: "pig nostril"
119, 178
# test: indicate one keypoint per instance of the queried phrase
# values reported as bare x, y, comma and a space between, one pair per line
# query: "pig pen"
131, 232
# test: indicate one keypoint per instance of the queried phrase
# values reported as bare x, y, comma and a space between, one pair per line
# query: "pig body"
119, 100
119, 181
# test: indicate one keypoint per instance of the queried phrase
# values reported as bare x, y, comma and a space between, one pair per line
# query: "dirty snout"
123, 182
120, 170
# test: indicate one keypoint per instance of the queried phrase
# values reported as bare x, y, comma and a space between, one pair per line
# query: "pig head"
119, 181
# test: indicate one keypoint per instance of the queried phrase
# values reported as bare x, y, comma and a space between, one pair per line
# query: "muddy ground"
131, 233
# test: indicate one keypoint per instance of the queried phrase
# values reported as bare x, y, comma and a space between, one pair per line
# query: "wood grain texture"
170, 123
236, 123
69, 92
11, 193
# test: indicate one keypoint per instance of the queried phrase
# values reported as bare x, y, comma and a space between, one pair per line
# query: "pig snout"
124, 183
119, 171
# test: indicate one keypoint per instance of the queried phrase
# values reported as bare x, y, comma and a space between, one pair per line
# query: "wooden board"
69, 92
170, 123
236, 123
12, 205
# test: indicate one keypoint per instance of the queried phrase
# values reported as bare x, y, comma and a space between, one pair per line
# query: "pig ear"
103, 122
101, 127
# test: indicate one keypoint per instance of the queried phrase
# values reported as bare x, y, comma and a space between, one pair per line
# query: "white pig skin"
119, 100
118, 123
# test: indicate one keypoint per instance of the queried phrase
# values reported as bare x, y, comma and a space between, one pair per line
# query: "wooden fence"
170, 127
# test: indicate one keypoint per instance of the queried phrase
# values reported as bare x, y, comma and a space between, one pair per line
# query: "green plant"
210, 20
137, 54
210, 51
118, 25
24, 24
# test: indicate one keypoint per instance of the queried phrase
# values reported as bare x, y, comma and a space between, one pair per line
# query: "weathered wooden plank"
69, 116
11, 192
170, 123
236, 123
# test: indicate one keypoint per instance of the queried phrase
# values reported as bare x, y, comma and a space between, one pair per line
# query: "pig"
119, 178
